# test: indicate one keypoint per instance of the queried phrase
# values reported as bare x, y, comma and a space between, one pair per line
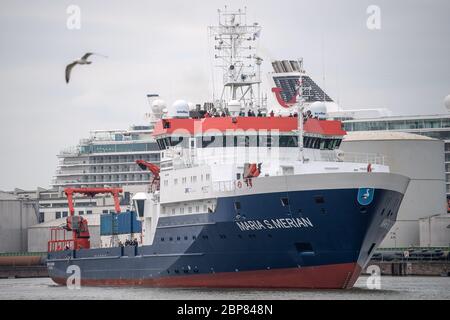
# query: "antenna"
323, 65
235, 51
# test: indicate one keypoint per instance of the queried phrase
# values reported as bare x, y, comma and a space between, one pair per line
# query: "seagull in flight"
81, 61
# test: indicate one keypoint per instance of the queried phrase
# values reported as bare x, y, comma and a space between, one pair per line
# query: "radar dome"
447, 102
234, 107
179, 109
158, 106
318, 109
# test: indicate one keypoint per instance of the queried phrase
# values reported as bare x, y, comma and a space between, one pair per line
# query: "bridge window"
212, 141
288, 141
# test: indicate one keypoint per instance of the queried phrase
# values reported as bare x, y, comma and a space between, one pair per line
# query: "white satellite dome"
447, 102
179, 109
158, 106
318, 109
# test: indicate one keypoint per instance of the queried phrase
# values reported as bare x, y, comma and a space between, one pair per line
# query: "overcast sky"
162, 47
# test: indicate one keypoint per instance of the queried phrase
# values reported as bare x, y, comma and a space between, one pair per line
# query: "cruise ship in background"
107, 158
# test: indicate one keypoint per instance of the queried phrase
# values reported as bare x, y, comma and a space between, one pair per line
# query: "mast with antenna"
235, 49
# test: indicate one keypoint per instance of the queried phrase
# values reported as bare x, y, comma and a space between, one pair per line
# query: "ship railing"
72, 151
352, 157
224, 186
371, 158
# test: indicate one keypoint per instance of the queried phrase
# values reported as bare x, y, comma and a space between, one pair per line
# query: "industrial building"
17, 215
418, 157
434, 231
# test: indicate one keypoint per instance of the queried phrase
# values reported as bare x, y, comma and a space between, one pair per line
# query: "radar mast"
235, 44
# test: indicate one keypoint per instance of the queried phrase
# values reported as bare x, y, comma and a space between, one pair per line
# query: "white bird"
81, 61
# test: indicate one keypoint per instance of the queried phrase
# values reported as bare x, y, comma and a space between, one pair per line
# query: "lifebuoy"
239, 184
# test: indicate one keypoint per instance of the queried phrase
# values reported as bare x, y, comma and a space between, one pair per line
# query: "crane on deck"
78, 224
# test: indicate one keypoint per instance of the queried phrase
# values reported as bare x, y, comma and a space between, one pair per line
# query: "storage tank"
421, 159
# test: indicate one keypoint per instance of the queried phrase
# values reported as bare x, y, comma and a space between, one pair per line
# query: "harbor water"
391, 288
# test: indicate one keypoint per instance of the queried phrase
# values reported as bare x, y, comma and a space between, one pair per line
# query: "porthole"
284, 202
319, 199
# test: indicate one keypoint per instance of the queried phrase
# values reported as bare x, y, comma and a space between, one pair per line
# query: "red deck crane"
154, 169
77, 224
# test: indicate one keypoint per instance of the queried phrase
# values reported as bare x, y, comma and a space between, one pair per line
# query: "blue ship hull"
315, 239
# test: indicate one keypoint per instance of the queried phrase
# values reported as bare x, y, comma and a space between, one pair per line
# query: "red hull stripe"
336, 276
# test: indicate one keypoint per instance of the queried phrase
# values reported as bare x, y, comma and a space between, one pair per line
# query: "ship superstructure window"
139, 204
268, 140
57, 215
211, 141
321, 143
288, 141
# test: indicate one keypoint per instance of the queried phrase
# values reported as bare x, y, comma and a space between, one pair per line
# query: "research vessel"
251, 191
